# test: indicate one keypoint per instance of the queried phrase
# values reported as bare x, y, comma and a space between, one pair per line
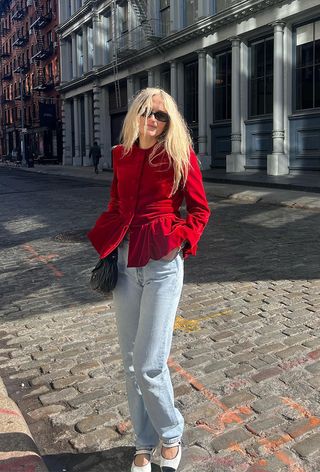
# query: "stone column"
204, 8
74, 55
96, 113
65, 61
180, 86
157, 77
73, 6
77, 160
202, 109
150, 78
130, 88
66, 133
235, 161
96, 35
174, 80
63, 11
85, 49
278, 162
86, 160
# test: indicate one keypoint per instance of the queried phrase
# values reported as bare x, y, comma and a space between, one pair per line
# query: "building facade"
245, 74
30, 72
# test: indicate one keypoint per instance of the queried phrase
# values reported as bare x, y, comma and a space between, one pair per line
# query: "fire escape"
147, 30
141, 10
6, 71
44, 49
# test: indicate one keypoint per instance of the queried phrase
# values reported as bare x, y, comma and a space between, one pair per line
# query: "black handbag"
104, 276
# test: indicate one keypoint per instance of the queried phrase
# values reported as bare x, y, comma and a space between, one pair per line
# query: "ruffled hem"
156, 239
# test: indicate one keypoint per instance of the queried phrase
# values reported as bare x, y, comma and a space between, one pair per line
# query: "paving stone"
314, 368
92, 422
98, 439
263, 425
77, 400
240, 370
308, 446
57, 396
266, 374
237, 399
84, 367
45, 411
301, 427
68, 381
266, 404
226, 440
290, 352
217, 365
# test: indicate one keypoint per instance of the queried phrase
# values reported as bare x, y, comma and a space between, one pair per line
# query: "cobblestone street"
245, 359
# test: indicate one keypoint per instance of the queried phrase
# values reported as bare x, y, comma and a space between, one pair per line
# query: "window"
123, 17
222, 87
308, 66
261, 83
190, 11
108, 37
165, 17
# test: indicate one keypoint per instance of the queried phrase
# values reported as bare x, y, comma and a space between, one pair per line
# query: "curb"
18, 451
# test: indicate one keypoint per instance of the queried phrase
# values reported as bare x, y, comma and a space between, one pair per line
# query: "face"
154, 128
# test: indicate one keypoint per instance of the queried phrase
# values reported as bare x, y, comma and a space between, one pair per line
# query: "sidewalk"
18, 452
294, 190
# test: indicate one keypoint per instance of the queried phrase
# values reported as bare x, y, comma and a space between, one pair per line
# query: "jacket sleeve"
198, 211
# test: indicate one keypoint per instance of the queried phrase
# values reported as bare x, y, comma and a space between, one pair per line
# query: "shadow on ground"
116, 459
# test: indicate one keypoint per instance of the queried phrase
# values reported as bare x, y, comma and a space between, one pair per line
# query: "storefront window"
222, 88
308, 66
261, 80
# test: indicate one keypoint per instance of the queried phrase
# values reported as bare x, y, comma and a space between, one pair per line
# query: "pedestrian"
95, 153
155, 169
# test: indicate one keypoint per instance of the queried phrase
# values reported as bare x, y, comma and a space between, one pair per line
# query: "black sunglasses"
159, 115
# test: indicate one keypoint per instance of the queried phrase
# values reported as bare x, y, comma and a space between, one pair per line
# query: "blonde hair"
175, 139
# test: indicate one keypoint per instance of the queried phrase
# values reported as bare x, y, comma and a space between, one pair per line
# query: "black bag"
104, 276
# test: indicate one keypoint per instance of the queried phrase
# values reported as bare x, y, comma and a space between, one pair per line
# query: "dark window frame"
228, 86
265, 113
295, 69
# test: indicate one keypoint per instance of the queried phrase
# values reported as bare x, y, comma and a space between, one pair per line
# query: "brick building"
30, 73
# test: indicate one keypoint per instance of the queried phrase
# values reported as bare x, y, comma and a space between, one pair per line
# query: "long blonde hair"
175, 139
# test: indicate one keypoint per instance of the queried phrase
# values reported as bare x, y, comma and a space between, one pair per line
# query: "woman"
155, 169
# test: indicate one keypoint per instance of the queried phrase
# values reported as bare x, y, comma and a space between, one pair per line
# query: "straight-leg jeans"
146, 300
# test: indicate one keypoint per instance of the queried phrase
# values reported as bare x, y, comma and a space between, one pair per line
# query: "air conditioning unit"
29, 3
55, 44
30, 31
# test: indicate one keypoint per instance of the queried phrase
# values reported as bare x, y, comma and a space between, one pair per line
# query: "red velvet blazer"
140, 204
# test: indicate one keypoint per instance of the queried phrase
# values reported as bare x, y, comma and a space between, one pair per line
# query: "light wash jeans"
146, 300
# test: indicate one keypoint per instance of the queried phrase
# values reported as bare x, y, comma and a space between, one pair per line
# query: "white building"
245, 74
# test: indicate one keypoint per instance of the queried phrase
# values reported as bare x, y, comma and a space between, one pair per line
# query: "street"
245, 359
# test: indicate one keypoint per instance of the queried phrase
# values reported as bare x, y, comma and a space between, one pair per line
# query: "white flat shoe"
171, 465
143, 468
